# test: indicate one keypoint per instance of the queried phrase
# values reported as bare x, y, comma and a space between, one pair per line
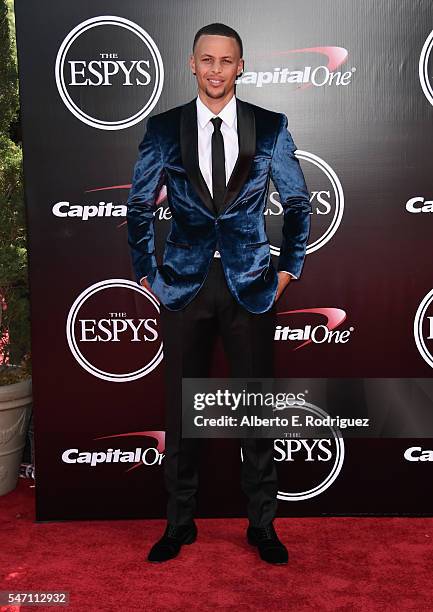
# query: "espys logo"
139, 456
425, 70
314, 332
423, 328
327, 202
117, 86
112, 330
309, 75
318, 460
418, 204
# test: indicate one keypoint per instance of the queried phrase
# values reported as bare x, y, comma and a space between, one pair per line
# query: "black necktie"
218, 164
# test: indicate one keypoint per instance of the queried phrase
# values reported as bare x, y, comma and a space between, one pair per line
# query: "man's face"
216, 62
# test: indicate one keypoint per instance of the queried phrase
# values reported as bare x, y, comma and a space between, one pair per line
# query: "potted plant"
15, 365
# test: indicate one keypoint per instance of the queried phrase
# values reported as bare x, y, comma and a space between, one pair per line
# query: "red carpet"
346, 564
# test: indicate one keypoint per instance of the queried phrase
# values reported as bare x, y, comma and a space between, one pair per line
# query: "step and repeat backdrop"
354, 334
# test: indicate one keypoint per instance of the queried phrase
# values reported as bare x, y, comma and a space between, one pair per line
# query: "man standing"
216, 155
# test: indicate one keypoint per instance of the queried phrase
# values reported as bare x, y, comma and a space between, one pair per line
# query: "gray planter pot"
15, 411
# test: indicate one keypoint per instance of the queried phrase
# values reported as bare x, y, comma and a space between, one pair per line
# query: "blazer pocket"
252, 245
258, 159
260, 163
181, 245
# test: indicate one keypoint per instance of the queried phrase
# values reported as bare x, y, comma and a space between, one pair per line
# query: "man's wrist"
290, 274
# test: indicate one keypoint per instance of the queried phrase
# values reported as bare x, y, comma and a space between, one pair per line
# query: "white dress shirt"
231, 145
230, 136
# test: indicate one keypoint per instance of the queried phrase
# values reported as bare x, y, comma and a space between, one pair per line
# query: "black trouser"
189, 337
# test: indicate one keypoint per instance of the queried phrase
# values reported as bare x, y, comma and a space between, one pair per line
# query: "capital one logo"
423, 328
312, 463
109, 72
148, 456
308, 75
416, 454
321, 326
112, 330
425, 68
327, 203
418, 204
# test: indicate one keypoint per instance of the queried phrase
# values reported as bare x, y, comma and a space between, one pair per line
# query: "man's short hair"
218, 29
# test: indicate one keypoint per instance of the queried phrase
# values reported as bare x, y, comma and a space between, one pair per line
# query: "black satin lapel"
189, 153
247, 148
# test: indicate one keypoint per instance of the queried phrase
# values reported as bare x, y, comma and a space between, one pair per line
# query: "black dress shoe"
171, 542
271, 549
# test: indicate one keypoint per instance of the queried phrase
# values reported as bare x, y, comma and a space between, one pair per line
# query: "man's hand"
283, 280
144, 283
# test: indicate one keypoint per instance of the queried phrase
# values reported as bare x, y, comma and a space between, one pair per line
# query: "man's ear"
192, 63
241, 68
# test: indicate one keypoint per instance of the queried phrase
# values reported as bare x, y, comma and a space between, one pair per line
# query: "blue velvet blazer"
168, 154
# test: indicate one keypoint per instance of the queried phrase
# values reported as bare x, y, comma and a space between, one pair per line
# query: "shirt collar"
227, 114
